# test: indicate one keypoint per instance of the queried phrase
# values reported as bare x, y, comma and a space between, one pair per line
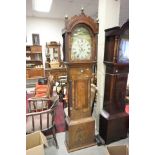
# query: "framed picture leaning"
35, 39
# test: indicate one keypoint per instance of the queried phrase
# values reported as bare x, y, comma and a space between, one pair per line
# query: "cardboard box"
35, 143
118, 150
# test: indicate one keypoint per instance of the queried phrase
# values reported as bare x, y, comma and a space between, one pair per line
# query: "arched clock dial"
81, 44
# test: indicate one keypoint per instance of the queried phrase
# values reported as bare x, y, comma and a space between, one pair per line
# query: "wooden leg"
54, 136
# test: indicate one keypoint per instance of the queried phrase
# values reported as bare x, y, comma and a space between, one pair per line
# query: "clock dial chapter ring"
81, 49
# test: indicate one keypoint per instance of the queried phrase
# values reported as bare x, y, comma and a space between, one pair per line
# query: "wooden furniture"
44, 87
61, 89
53, 56
56, 72
41, 117
116, 59
53, 61
79, 49
34, 62
93, 96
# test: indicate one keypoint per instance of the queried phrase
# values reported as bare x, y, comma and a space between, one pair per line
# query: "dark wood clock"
115, 126
80, 52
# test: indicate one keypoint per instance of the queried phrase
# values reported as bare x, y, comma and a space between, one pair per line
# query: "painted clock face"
81, 44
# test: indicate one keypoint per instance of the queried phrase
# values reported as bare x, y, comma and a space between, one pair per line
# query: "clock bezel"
70, 42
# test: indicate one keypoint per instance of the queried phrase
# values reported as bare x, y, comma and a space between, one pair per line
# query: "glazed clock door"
115, 89
81, 48
123, 53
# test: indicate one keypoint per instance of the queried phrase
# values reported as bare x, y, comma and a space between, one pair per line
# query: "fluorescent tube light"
42, 5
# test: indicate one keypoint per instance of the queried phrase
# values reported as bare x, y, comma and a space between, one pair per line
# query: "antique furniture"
53, 65
34, 62
44, 87
80, 53
41, 118
114, 125
56, 72
43, 92
61, 89
93, 96
53, 57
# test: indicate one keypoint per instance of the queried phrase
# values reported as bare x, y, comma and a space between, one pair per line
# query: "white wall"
124, 11
48, 30
108, 14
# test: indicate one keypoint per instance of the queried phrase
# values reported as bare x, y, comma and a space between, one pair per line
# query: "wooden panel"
80, 134
80, 99
81, 91
35, 49
114, 128
56, 72
76, 73
109, 46
35, 72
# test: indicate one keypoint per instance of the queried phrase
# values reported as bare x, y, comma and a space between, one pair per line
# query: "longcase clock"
80, 53
116, 59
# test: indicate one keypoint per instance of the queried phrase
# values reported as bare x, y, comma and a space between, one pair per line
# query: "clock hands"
81, 49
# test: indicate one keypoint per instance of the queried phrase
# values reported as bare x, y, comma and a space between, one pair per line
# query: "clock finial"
66, 20
66, 17
97, 20
82, 10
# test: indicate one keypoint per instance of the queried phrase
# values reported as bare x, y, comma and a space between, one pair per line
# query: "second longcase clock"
79, 48
115, 126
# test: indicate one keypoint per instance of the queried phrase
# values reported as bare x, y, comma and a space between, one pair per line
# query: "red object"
60, 118
127, 109
41, 90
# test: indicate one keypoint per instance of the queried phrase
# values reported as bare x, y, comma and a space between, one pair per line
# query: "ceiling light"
42, 5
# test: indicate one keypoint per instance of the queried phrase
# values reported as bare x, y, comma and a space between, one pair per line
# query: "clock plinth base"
79, 148
80, 133
114, 128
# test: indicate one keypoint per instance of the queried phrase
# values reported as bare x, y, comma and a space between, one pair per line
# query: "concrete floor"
94, 150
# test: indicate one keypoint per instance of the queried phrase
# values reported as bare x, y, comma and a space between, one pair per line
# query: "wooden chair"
43, 94
61, 89
42, 118
44, 89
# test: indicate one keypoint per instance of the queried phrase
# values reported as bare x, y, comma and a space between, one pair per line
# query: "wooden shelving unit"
34, 62
53, 57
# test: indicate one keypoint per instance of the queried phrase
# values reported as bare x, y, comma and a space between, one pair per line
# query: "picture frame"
35, 39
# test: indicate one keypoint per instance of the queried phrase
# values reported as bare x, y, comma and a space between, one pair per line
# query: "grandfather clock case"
114, 125
79, 50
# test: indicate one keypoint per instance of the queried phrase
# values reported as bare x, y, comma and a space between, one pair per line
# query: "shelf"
34, 68
33, 61
33, 52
